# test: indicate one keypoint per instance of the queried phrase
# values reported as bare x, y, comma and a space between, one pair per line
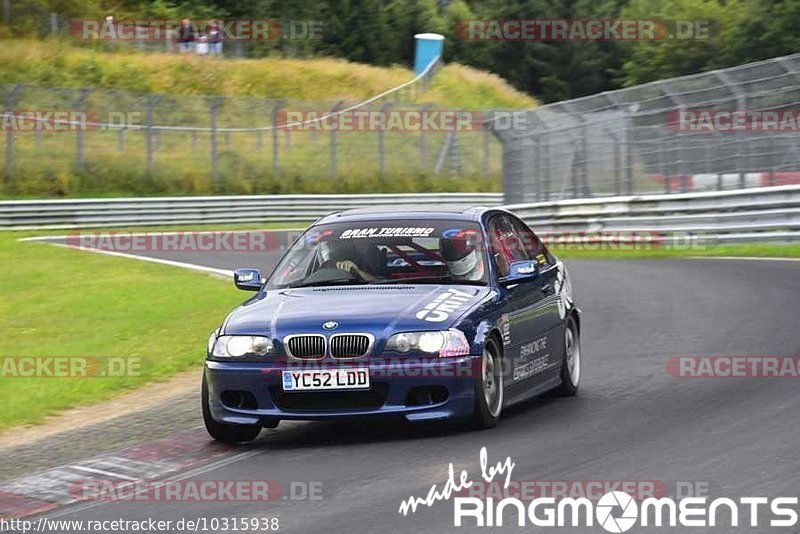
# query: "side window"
505, 244
534, 247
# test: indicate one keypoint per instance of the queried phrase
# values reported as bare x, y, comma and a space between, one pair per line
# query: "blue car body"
526, 319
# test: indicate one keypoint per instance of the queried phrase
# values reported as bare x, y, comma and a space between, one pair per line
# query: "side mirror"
521, 271
247, 279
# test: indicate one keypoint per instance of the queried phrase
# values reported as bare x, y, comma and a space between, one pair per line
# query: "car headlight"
445, 342
238, 346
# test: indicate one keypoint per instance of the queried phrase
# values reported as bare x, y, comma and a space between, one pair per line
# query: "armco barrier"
88, 213
758, 214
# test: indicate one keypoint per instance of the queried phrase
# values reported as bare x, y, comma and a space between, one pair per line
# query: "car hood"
374, 309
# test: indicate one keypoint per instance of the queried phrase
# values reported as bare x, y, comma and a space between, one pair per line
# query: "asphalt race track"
632, 420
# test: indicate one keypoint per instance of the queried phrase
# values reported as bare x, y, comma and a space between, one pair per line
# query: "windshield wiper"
318, 283
427, 280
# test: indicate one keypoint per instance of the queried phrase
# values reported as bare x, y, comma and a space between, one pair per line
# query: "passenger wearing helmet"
462, 255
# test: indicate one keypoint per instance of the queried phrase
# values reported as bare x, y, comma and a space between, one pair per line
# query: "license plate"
320, 380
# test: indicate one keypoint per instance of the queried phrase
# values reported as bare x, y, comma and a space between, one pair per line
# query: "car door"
550, 323
524, 318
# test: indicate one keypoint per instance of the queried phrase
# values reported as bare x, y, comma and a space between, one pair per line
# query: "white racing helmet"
462, 255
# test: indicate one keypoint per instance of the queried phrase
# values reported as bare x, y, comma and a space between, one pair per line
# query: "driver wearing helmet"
343, 256
461, 254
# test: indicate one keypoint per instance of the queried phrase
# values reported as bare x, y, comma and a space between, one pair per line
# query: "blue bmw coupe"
422, 315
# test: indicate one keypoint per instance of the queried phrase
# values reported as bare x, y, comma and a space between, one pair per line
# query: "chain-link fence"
87, 141
726, 129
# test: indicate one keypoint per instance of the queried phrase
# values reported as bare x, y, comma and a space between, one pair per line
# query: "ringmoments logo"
615, 511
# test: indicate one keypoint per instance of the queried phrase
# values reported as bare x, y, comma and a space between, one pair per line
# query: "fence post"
11, 104
573, 173
79, 137
617, 169
663, 165
486, 147
546, 159
537, 154
53, 24
456, 162
444, 152
275, 137
148, 132
423, 149
382, 146
216, 103
586, 191
335, 140
7, 11
629, 156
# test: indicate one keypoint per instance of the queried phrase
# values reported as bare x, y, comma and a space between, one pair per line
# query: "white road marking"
103, 472
194, 472
760, 258
194, 267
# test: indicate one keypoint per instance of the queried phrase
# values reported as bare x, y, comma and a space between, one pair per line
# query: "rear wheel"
571, 364
489, 391
224, 432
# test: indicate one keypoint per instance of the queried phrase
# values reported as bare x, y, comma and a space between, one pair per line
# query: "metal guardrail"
116, 212
762, 214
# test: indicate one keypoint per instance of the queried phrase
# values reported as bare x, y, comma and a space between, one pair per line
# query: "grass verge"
61, 302
63, 64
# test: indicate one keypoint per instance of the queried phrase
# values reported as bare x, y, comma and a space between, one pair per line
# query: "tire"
571, 361
224, 432
489, 389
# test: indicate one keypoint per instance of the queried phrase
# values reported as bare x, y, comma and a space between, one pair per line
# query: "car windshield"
384, 252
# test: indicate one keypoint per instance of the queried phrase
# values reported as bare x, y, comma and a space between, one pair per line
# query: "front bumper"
248, 393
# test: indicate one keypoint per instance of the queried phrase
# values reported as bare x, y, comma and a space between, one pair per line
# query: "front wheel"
224, 432
489, 390
571, 363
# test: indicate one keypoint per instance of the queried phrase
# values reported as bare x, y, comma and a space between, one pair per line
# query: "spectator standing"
186, 36
214, 38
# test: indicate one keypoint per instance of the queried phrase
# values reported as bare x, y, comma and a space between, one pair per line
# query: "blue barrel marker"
429, 47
